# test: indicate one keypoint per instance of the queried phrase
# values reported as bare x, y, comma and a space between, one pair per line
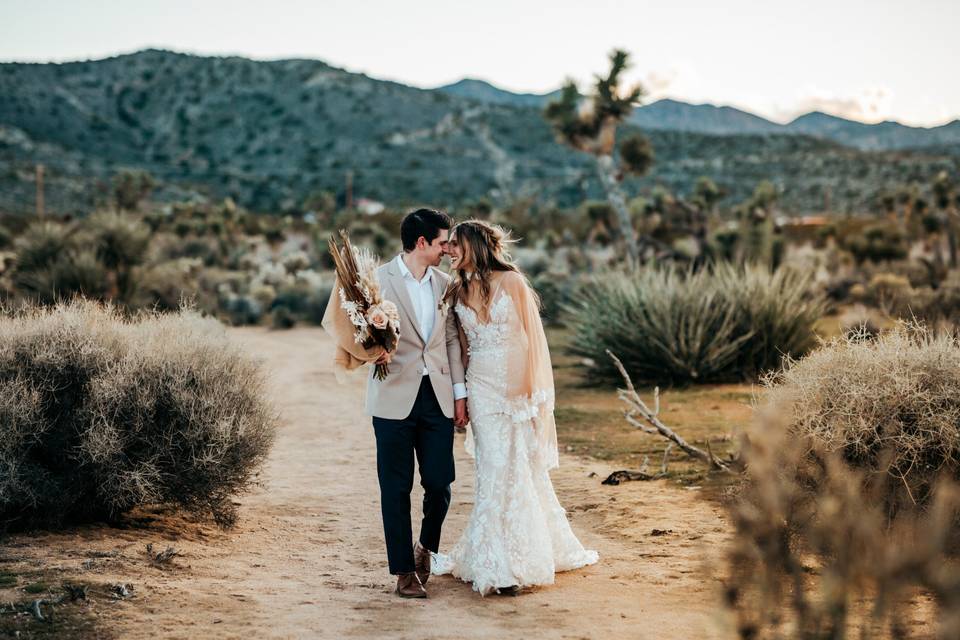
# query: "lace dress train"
517, 533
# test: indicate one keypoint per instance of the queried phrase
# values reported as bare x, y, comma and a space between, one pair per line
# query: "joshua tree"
707, 194
590, 125
130, 188
943, 191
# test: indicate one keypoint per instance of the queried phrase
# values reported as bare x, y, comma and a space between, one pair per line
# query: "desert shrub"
813, 553
41, 244
678, 327
120, 241
166, 285
283, 318
317, 304
305, 298
934, 307
556, 292
100, 414
877, 243
885, 289
240, 309
891, 404
130, 188
533, 262
850, 503
73, 273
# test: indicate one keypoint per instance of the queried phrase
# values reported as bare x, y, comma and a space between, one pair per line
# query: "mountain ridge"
270, 133
707, 117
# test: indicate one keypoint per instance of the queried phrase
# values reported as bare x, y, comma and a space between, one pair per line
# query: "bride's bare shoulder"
509, 278
511, 281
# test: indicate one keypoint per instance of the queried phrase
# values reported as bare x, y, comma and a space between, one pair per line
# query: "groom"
415, 408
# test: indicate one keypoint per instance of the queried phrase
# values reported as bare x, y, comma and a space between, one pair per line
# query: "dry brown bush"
814, 555
101, 413
848, 511
891, 403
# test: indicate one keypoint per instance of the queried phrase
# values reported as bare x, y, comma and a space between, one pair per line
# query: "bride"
517, 534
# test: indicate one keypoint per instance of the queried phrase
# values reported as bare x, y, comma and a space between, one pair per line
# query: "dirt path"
307, 558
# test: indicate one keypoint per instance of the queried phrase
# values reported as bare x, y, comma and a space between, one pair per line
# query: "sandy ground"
307, 559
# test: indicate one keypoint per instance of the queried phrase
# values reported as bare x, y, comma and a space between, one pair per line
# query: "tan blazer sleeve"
348, 355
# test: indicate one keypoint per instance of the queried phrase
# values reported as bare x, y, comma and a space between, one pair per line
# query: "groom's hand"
460, 417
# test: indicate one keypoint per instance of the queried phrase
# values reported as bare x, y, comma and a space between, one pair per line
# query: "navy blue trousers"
427, 434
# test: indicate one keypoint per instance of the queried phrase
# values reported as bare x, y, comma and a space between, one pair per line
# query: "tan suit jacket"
393, 397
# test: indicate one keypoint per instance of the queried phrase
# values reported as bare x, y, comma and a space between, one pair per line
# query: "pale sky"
866, 60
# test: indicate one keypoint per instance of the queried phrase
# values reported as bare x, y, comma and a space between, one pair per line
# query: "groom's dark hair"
422, 222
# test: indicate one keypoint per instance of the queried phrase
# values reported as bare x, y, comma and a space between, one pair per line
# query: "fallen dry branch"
638, 410
625, 475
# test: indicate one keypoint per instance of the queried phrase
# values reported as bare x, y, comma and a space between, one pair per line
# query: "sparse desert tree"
944, 190
707, 194
590, 125
130, 187
757, 241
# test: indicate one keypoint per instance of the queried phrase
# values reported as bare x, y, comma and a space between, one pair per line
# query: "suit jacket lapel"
438, 291
400, 292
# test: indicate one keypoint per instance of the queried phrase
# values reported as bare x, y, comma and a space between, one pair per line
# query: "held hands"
460, 415
384, 358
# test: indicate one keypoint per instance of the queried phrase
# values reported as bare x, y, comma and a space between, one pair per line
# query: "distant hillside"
486, 92
270, 133
883, 135
676, 115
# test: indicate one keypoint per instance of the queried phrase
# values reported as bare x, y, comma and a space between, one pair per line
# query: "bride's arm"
531, 392
537, 378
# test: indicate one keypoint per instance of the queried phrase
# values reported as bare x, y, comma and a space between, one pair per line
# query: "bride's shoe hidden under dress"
518, 533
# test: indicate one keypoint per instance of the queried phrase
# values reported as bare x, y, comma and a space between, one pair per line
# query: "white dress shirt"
424, 305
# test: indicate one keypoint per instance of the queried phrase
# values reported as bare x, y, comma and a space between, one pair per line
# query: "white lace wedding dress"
518, 533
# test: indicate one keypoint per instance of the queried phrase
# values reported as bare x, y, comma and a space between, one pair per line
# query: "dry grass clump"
99, 414
891, 404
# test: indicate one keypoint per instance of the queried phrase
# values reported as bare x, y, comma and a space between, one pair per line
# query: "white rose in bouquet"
377, 317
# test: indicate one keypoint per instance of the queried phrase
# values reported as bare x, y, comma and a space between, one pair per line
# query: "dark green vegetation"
270, 134
722, 324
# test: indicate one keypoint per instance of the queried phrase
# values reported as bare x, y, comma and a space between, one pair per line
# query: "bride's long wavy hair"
486, 244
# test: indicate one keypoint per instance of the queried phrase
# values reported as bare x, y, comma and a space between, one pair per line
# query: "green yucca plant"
119, 240
75, 273
670, 326
41, 245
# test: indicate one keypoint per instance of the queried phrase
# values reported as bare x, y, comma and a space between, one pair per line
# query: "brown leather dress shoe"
421, 562
408, 586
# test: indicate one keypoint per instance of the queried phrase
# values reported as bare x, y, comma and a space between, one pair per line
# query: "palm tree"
590, 125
